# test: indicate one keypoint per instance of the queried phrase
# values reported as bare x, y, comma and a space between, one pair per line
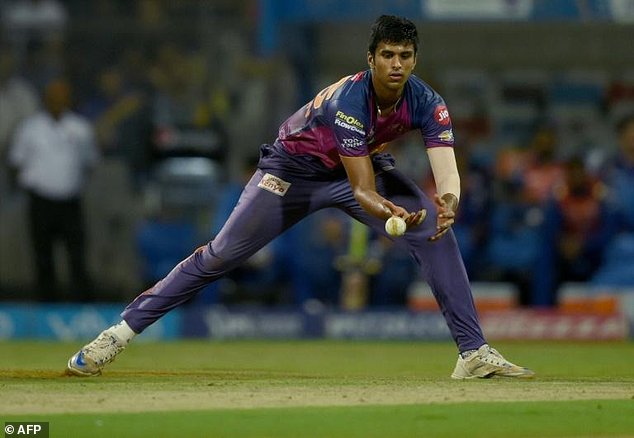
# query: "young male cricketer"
330, 154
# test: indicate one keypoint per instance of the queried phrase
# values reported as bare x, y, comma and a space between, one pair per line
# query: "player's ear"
370, 60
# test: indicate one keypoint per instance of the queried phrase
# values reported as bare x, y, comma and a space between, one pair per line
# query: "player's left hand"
446, 215
411, 219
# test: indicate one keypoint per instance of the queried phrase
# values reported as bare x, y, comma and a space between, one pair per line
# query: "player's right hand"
411, 219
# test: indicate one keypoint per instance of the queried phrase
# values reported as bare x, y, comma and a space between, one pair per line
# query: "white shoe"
93, 357
487, 362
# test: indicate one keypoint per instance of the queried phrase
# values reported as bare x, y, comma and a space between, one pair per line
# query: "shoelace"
103, 349
495, 358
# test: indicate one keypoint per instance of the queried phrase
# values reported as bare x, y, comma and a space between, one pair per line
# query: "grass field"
320, 389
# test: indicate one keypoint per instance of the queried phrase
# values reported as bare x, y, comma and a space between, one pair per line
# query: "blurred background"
178, 96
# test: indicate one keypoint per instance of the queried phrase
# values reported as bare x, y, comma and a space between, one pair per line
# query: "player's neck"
386, 106
386, 99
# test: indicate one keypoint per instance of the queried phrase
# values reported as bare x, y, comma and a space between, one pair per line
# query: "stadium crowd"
547, 162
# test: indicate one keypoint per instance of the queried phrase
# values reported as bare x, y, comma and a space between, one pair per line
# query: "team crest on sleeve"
446, 136
274, 184
441, 114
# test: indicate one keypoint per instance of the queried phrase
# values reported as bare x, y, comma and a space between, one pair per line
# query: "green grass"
320, 389
543, 419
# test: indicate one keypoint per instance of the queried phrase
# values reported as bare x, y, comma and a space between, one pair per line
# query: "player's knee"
214, 261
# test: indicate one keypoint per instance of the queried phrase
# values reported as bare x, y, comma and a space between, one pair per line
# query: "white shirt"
52, 156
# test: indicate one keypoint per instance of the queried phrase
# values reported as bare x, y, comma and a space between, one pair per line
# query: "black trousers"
53, 221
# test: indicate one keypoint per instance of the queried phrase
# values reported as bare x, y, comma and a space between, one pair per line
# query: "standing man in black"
52, 153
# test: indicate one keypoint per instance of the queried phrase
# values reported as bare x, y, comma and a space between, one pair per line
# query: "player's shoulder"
424, 101
352, 94
421, 92
358, 82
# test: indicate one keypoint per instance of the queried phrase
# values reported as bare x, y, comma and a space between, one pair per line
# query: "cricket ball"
395, 226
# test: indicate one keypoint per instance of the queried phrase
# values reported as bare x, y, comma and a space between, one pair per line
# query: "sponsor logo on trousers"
274, 184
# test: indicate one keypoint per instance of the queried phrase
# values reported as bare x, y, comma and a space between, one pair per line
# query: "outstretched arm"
445, 170
361, 175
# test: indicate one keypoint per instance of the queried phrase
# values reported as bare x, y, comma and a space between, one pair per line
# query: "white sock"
466, 354
123, 332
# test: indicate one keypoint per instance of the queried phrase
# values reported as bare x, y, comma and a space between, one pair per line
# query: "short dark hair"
393, 29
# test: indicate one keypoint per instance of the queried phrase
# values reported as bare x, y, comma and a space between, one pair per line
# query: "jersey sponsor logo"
446, 136
351, 143
442, 115
274, 184
349, 122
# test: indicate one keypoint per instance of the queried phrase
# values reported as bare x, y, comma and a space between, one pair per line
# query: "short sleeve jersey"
342, 120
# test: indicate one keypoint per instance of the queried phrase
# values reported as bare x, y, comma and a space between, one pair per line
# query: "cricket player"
330, 153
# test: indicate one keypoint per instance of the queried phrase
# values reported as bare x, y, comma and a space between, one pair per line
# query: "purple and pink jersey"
302, 173
343, 120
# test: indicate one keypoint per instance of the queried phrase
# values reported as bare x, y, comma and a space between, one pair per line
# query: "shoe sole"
528, 374
490, 376
517, 373
456, 377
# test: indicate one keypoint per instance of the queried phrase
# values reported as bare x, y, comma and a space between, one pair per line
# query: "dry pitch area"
118, 392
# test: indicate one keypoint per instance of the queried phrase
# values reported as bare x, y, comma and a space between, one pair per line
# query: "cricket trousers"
277, 197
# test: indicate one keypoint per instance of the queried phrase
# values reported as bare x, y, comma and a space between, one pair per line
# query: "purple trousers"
279, 195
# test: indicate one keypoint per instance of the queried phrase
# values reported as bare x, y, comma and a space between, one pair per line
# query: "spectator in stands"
616, 269
577, 224
120, 114
620, 175
541, 171
525, 181
182, 115
52, 153
112, 104
512, 247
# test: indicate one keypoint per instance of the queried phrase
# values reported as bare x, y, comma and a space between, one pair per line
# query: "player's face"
391, 65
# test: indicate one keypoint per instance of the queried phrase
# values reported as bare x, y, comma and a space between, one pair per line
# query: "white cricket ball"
395, 226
